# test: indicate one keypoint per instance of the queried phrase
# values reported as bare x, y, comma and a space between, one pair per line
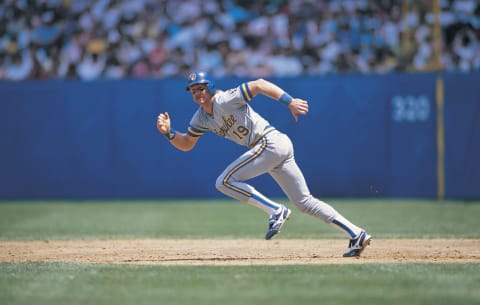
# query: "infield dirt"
238, 251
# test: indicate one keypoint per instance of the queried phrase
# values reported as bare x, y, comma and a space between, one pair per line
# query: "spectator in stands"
248, 38
18, 66
91, 66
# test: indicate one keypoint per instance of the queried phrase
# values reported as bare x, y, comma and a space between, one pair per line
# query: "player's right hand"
163, 123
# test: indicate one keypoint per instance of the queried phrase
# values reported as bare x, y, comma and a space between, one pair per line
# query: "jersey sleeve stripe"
247, 95
195, 132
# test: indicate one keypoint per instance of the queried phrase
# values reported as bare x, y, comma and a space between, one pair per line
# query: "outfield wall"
399, 135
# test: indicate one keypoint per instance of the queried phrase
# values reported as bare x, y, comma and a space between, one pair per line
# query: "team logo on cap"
192, 77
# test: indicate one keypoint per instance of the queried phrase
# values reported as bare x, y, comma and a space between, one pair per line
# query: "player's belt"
267, 130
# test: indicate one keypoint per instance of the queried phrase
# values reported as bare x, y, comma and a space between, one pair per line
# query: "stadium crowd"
92, 39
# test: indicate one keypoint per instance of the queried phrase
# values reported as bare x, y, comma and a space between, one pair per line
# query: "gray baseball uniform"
270, 151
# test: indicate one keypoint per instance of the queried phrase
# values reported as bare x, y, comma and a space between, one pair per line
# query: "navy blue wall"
365, 136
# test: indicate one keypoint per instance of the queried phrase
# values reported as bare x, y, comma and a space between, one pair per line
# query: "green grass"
398, 283
341, 284
228, 219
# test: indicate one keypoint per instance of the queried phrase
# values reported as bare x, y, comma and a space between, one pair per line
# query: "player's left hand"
298, 106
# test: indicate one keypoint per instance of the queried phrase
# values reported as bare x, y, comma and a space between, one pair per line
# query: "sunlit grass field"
396, 283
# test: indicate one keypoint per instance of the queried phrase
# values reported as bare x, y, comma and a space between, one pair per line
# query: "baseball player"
229, 115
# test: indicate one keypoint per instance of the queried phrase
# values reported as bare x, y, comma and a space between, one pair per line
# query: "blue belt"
266, 131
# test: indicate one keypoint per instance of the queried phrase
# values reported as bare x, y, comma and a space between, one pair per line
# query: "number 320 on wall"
410, 108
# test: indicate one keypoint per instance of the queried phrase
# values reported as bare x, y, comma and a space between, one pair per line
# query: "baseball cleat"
276, 222
358, 244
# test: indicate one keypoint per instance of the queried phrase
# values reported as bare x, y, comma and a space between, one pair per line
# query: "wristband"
285, 99
171, 134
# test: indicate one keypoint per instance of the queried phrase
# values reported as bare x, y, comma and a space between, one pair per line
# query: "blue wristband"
285, 99
171, 134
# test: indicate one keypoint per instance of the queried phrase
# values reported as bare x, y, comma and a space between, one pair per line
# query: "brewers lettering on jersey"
228, 114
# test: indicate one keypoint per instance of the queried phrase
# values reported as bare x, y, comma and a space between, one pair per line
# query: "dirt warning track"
238, 251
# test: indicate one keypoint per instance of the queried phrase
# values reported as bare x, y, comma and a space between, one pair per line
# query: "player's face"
200, 94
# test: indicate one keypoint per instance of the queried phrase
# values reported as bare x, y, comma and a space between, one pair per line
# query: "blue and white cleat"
358, 244
276, 222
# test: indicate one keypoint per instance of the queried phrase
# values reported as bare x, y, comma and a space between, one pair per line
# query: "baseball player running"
229, 115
